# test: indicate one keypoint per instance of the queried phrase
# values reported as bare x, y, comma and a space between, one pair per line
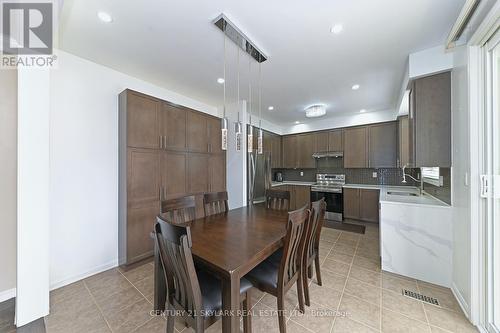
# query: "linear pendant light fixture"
238, 128
260, 138
243, 42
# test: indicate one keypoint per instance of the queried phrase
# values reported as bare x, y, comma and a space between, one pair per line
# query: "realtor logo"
27, 28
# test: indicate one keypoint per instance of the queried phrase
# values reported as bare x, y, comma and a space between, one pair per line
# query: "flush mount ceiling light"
337, 29
297, 122
362, 111
271, 108
355, 87
315, 111
220, 80
104, 17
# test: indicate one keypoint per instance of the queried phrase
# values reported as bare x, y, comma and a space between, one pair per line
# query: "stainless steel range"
329, 186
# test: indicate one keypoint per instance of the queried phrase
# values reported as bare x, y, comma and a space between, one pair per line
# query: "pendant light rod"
260, 95
239, 38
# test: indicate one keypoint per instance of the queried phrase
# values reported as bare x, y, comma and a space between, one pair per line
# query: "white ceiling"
175, 45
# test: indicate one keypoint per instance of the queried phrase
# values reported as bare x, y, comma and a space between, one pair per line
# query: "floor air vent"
420, 297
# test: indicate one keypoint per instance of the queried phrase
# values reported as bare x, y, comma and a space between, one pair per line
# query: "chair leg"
305, 283
309, 272
300, 292
318, 272
281, 312
170, 319
247, 308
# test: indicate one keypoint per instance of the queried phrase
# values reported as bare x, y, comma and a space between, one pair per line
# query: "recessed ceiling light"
271, 108
355, 87
220, 80
362, 111
104, 17
336, 29
297, 122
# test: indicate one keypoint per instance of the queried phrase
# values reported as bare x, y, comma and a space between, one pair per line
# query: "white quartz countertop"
291, 182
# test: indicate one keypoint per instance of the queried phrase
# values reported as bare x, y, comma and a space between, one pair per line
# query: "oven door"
334, 204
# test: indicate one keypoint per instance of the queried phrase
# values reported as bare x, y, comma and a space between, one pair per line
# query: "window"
431, 175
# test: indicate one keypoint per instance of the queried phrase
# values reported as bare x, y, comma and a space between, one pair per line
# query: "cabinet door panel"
321, 142
217, 171
383, 140
355, 147
302, 196
276, 156
174, 126
351, 203
143, 176
142, 121
335, 141
173, 170
305, 146
197, 132
197, 173
369, 204
290, 151
140, 222
215, 135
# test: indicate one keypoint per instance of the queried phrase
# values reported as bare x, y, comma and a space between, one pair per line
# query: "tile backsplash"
385, 176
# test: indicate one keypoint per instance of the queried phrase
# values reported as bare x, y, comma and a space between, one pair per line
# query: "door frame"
478, 139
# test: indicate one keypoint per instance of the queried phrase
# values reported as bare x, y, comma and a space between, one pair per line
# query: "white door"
492, 185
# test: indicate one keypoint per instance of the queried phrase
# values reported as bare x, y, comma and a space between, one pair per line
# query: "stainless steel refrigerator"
259, 176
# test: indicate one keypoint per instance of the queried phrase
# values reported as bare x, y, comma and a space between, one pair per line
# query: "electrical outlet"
302, 174
374, 175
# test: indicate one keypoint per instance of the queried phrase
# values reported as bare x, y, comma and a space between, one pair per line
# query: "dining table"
230, 244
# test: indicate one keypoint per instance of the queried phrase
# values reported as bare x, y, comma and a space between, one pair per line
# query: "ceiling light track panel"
239, 38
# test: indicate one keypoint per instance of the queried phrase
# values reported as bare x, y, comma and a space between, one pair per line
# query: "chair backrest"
293, 247
318, 209
179, 210
174, 246
215, 203
279, 200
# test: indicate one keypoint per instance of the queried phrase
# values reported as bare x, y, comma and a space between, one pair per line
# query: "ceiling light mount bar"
239, 38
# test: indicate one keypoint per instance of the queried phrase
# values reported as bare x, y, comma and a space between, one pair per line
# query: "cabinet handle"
165, 142
160, 193
161, 142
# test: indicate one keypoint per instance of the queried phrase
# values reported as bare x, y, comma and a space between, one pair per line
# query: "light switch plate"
374, 175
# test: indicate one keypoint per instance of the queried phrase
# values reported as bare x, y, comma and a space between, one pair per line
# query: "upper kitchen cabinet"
173, 127
215, 135
276, 155
335, 140
356, 147
403, 142
430, 121
321, 142
289, 151
305, 150
197, 132
142, 119
383, 144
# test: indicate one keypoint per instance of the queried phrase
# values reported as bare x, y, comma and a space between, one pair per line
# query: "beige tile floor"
355, 297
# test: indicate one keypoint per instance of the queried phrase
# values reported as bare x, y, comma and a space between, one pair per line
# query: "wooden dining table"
230, 245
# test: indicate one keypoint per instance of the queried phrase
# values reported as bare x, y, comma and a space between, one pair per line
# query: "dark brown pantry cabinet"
166, 151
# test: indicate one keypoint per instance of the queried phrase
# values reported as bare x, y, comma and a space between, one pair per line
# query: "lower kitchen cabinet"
361, 204
300, 195
140, 222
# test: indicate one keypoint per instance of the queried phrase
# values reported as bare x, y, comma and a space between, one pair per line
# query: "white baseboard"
461, 300
7, 294
78, 277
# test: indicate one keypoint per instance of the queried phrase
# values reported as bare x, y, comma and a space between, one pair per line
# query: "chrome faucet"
417, 180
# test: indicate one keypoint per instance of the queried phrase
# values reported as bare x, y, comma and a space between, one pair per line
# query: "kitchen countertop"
292, 182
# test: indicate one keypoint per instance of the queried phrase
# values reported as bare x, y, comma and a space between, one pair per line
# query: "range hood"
334, 154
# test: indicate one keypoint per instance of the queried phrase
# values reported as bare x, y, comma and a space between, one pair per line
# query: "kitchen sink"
406, 194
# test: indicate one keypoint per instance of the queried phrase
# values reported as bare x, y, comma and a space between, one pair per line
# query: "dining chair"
278, 200
179, 210
276, 276
311, 246
193, 295
215, 203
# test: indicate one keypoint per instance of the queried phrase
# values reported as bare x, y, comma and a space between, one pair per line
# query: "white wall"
345, 120
84, 164
8, 186
461, 169
432, 60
